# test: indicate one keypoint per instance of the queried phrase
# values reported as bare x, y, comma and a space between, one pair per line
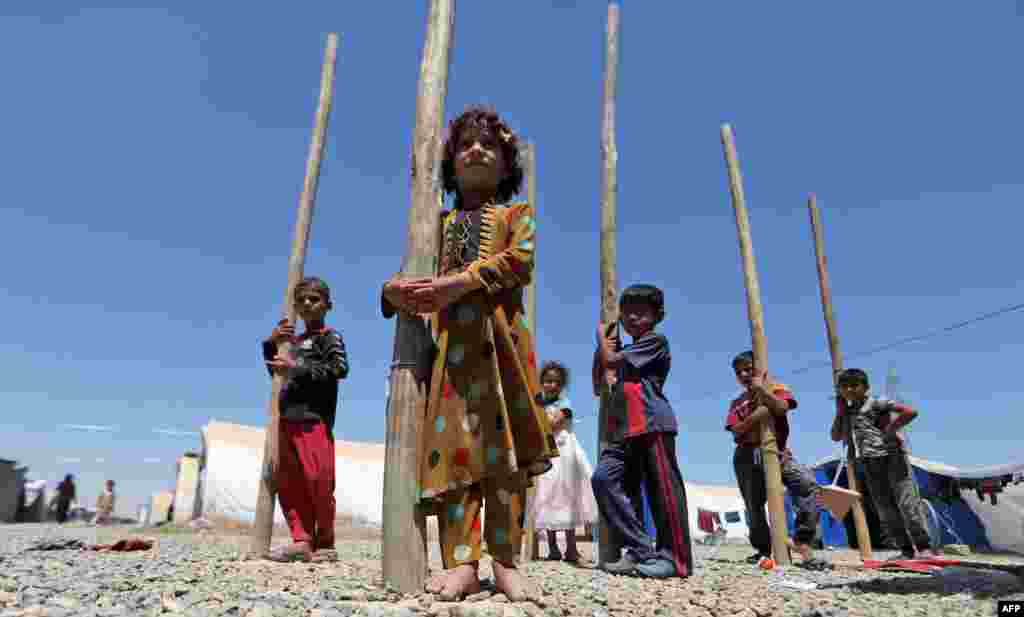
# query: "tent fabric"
723, 502
948, 471
1003, 522
232, 457
833, 532
960, 519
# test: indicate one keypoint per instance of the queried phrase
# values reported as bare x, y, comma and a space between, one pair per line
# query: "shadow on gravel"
950, 581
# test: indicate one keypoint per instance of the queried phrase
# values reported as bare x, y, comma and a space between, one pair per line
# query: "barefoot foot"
511, 582
435, 583
460, 582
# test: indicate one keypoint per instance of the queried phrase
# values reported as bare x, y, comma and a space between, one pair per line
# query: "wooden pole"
859, 520
609, 547
404, 558
755, 313
263, 526
531, 540
531, 196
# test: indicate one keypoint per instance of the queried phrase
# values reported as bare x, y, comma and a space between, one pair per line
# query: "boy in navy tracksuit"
641, 444
308, 401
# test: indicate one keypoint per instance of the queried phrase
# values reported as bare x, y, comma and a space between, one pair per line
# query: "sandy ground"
207, 573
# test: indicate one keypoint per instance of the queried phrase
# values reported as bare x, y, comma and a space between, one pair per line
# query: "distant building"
10, 491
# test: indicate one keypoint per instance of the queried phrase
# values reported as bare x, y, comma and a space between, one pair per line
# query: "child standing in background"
564, 499
309, 400
873, 426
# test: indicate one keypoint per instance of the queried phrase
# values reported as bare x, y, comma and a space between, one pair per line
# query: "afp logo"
1010, 607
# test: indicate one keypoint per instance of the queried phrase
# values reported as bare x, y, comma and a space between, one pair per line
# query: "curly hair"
558, 367
486, 119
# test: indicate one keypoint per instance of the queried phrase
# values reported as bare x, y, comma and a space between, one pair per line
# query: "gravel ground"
205, 574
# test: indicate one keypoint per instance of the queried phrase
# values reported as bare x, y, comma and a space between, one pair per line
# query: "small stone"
65, 602
261, 610
478, 597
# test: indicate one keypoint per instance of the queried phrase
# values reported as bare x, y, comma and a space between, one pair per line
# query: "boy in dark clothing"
65, 496
308, 401
758, 401
872, 428
641, 444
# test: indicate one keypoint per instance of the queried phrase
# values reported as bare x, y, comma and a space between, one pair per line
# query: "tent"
955, 514
725, 501
33, 508
230, 464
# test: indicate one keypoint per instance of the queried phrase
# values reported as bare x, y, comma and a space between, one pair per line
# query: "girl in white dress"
564, 499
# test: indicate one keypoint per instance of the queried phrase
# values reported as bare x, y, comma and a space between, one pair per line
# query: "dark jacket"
311, 389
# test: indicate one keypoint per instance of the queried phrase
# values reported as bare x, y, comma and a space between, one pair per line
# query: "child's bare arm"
765, 394
838, 428
904, 416
838, 434
608, 348
751, 422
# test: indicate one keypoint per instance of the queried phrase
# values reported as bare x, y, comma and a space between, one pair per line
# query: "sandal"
815, 565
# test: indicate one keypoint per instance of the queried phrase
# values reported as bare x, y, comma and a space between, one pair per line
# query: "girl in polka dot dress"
564, 499
484, 436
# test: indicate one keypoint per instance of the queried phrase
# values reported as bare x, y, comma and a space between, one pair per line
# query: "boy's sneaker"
756, 558
656, 568
625, 565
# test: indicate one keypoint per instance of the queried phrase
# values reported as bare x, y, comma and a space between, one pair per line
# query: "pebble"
194, 575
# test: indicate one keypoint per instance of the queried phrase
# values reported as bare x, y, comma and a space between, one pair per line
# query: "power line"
920, 337
888, 346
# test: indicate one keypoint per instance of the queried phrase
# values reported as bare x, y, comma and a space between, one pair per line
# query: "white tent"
231, 462
726, 501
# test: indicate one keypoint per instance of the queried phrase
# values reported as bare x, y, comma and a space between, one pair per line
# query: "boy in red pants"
309, 398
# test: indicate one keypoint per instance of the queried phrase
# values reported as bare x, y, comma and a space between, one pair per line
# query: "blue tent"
950, 519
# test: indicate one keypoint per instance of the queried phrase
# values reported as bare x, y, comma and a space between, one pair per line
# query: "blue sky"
154, 155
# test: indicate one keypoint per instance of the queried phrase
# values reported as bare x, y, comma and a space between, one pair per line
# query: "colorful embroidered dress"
482, 421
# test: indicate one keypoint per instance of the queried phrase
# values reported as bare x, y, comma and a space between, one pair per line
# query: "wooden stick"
859, 520
531, 540
263, 526
609, 547
755, 313
531, 197
404, 558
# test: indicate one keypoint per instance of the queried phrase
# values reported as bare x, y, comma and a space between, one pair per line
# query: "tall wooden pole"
405, 539
755, 313
531, 197
859, 520
263, 526
531, 541
609, 547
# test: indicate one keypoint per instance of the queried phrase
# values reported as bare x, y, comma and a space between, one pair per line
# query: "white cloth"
563, 497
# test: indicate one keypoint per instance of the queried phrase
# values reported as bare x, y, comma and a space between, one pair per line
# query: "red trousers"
305, 481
